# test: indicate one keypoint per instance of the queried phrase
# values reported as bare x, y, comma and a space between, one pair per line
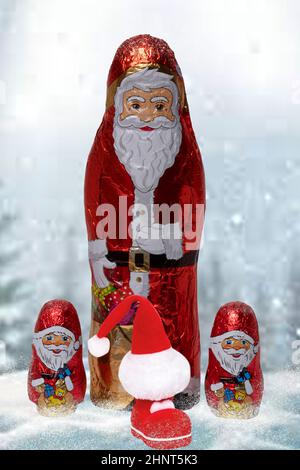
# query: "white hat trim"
233, 334
161, 405
160, 439
55, 329
155, 376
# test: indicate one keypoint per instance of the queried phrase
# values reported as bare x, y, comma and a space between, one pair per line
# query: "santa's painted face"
235, 347
147, 130
54, 348
233, 352
148, 105
53, 339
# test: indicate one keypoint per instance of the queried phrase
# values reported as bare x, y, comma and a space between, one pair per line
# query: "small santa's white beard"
229, 363
49, 358
146, 154
154, 376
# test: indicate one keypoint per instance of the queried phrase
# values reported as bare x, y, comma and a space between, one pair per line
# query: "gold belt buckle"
139, 260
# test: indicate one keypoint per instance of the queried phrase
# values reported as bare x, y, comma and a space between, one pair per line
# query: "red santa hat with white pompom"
152, 370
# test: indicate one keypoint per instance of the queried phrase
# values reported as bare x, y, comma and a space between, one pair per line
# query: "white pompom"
98, 346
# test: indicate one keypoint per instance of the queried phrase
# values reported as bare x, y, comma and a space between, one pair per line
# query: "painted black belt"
139, 260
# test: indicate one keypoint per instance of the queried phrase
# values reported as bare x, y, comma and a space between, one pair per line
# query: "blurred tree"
13, 293
210, 293
73, 274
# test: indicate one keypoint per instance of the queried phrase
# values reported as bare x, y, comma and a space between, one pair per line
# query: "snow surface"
276, 427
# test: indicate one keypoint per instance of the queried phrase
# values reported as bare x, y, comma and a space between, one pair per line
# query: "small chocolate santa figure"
234, 380
56, 379
152, 372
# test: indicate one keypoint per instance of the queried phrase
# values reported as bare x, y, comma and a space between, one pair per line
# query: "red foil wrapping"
234, 381
173, 290
56, 378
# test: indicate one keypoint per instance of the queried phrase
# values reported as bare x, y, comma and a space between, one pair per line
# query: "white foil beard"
51, 360
146, 154
231, 365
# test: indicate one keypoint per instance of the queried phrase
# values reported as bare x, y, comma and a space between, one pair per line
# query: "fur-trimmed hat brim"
155, 376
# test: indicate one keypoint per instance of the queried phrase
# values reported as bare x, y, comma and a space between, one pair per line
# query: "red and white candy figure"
152, 372
145, 154
234, 380
56, 379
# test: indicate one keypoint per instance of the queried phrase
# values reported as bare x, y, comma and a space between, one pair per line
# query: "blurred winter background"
241, 64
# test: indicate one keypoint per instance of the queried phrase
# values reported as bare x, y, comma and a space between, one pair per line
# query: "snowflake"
276, 302
237, 219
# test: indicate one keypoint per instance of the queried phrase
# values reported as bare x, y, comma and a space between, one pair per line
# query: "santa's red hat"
152, 370
237, 320
144, 51
58, 317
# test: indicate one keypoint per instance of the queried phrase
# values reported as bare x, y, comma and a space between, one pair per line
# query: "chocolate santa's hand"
172, 240
218, 389
98, 271
149, 239
173, 249
97, 257
154, 247
159, 239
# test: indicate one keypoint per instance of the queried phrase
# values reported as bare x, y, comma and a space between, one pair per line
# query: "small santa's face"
233, 352
55, 348
146, 106
56, 343
235, 347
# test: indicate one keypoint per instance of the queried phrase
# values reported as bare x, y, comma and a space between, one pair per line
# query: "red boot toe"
164, 429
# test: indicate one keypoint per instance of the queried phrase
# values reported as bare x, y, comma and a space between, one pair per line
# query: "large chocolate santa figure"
144, 166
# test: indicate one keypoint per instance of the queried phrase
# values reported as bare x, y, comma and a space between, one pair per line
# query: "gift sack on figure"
145, 158
56, 379
234, 380
152, 372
